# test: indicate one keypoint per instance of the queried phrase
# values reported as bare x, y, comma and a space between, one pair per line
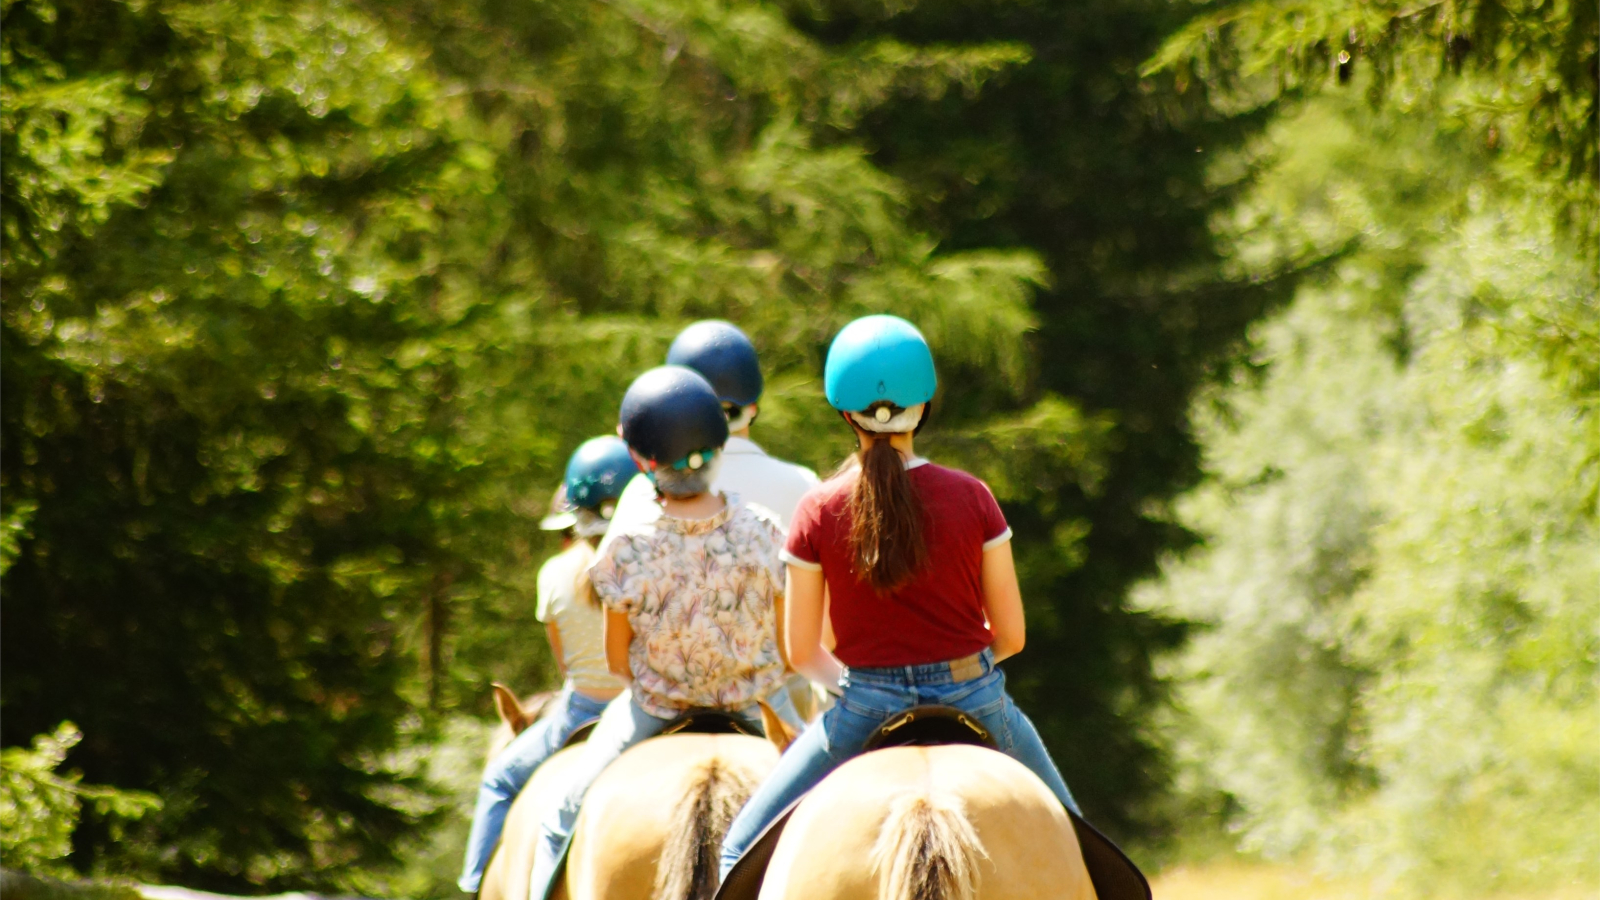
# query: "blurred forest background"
1274, 326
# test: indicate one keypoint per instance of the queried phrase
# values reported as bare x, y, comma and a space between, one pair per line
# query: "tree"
223, 471
307, 303
1520, 76
1396, 672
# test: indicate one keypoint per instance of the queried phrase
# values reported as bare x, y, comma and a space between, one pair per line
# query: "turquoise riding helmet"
875, 359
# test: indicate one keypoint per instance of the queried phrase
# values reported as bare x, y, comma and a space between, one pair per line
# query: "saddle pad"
1114, 875
744, 880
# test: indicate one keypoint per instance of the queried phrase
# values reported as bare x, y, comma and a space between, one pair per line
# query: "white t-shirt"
747, 470
580, 622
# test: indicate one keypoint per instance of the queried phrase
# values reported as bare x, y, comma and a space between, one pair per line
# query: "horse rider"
723, 354
917, 560
690, 598
596, 474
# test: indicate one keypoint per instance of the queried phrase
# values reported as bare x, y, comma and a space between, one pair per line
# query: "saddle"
710, 721
1114, 875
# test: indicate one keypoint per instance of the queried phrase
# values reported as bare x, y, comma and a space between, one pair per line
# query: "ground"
1234, 880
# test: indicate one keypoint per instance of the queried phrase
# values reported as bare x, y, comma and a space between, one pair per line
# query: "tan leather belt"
966, 668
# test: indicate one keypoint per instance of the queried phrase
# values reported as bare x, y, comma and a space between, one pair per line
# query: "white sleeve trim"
998, 539
793, 560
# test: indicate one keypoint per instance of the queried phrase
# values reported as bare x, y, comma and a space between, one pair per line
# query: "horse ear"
778, 731
505, 703
535, 706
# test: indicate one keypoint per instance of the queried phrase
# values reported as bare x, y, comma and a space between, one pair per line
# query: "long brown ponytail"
885, 519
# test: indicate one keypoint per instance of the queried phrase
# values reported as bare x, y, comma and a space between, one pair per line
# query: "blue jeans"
505, 775
622, 725
870, 696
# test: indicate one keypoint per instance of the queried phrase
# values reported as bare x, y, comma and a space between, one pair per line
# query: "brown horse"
951, 822
651, 824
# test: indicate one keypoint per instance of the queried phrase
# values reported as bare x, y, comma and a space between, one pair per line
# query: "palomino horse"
949, 822
506, 878
652, 823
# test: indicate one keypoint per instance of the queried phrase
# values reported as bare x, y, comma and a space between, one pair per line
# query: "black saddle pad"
1114, 875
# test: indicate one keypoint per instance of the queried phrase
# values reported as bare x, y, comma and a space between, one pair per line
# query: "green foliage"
21, 886
431, 859
308, 299
1398, 669
237, 476
306, 302
39, 806
1520, 76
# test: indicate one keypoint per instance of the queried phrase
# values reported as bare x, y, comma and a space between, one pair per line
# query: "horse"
944, 822
652, 823
506, 877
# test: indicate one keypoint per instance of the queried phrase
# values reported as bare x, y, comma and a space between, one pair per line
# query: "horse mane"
927, 850
700, 820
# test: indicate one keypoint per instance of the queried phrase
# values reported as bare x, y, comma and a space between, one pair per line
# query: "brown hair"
885, 519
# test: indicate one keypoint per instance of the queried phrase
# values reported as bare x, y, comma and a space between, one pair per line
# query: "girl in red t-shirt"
916, 562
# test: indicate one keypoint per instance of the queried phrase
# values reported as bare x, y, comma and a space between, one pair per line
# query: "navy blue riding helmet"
671, 416
724, 355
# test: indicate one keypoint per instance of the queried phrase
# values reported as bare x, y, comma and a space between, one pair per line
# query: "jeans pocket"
873, 701
845, 731
988, 706
968, 695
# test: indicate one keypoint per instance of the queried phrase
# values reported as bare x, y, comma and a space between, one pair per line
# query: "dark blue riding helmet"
724, 355
671, 416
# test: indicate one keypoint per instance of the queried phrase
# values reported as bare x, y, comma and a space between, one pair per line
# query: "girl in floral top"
690, 598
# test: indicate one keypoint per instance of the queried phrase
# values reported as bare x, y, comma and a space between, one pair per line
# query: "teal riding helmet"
598, 471
879, 358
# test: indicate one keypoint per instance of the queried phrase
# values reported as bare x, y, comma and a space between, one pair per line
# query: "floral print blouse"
699, 595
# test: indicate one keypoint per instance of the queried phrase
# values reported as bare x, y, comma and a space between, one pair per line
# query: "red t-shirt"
937, 615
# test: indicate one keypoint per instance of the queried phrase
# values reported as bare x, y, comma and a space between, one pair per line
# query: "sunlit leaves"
1398, 673
40, 805
1521, 75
